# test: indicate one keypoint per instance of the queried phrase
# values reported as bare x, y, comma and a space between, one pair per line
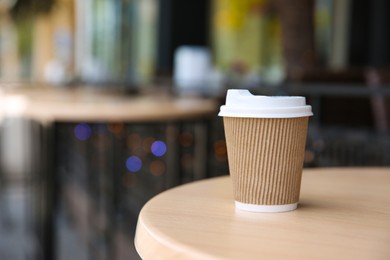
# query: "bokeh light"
116, 128
157, 168
220, 150
186, 139
133, 163
159, 148
309, 156
82, 131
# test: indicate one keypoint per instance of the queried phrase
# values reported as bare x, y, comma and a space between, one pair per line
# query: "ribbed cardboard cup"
265, 160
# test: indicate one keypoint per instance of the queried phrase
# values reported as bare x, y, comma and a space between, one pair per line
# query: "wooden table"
89, 105
344, 213
52, 106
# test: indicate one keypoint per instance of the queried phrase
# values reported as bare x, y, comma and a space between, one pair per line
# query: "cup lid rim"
241, 103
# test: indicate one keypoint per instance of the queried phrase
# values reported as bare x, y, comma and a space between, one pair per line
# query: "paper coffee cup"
265, 138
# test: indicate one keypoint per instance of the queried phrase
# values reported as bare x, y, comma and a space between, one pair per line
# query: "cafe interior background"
73, 189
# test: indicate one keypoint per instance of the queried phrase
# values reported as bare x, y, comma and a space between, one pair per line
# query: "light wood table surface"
344, 213
86, 104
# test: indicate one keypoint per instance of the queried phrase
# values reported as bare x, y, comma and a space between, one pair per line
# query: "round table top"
343, 213
85, 104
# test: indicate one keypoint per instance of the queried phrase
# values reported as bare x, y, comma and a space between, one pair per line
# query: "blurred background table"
343, 213
99, 155
91, 104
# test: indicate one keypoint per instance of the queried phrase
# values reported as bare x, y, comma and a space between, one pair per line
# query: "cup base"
265, 208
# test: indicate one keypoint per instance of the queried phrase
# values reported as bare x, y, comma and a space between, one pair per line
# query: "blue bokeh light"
133, 163
159, 148
82, 131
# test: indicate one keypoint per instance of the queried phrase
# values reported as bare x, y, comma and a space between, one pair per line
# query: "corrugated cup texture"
266, 158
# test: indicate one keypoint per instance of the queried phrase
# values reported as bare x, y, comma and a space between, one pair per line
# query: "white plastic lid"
241, 103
